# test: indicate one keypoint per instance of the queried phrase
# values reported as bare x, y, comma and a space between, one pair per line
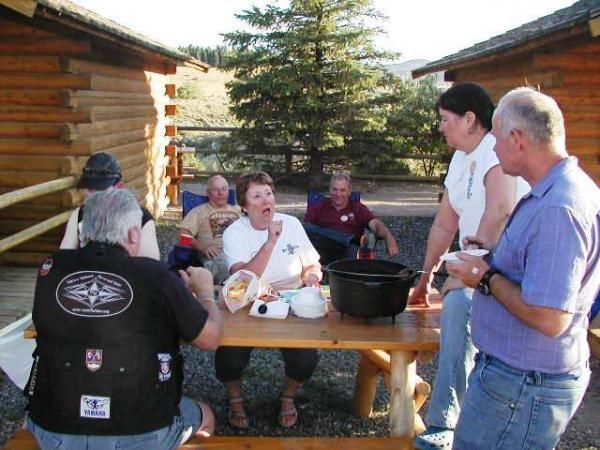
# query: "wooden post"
365, 387
402, 388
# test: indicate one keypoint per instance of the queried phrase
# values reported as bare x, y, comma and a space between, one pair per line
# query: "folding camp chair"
181, 257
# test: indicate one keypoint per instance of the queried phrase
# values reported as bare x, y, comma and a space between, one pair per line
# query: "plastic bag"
15, 351
242, 288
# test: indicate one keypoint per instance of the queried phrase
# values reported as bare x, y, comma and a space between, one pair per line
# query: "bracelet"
207, 299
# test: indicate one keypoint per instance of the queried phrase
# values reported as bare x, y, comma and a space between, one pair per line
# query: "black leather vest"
106, 363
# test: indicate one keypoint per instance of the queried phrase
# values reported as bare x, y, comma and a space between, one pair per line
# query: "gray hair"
535, 114
341, 176
108, 216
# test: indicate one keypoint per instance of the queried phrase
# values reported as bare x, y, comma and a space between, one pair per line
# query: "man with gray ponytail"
530, 310
107, 371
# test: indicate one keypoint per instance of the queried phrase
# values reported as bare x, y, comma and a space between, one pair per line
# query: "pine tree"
306, 77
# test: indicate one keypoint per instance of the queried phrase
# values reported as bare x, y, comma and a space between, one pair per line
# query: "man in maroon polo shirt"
340, 213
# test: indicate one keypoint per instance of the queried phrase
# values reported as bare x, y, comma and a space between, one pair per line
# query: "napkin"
274, 310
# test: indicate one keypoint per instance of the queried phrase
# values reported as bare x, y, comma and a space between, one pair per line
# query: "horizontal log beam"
108, 141
29, 259
170, 90
74, 65
108, 83
45, 81
9, 146
124, 112
10, 28
170, 110
29, 130
76, 101
31, 97
66, 165
72, 132
566, 61
50, 46
24, 178
29, 211
20, 63
31, 232
43, 114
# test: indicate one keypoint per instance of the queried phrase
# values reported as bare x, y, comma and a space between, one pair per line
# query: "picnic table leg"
365, 387
402, 387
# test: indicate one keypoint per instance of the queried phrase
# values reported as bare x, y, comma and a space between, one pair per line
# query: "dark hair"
243, 183
464, 97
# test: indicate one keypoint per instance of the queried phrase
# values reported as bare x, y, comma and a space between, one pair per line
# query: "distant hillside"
403, 69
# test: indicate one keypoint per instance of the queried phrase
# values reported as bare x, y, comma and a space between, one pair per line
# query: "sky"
418, 29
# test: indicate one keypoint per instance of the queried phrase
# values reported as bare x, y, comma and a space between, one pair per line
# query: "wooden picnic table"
415, 330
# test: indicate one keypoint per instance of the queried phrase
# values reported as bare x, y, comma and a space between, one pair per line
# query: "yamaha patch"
93, 359
94, 407
94, 294
165, 369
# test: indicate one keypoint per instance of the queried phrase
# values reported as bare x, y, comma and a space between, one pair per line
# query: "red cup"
185, 240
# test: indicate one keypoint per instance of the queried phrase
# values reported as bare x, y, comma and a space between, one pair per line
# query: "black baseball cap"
101, 171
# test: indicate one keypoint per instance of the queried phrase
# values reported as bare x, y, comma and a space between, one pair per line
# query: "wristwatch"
484, 283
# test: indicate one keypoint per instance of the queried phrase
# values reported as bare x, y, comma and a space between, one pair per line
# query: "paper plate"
451, 257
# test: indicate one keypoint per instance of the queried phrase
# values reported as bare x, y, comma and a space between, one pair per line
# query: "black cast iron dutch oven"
370, 287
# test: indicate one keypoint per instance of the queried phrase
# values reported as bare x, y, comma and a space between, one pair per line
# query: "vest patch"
94, 407
164, 360
93, 359
46, 267
94, 294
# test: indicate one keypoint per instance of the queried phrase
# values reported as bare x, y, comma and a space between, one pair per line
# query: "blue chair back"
189, 200
314, 198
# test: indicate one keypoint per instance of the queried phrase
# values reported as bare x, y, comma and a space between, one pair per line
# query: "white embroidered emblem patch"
94, 407
94, 294
164, 372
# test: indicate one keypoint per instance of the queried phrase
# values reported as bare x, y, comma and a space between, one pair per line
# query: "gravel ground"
325, 402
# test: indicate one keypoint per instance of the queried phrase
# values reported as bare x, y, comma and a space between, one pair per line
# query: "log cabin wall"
64, 96
569, 72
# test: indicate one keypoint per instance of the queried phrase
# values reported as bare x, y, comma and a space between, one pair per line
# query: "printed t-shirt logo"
94, 294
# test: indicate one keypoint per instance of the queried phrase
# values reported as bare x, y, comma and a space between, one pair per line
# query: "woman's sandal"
237, 419
289, 412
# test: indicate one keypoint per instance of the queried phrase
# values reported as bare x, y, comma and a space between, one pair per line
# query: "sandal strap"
287, 398
234, 400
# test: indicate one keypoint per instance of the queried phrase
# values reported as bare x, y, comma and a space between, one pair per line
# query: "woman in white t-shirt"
477, 200
276, 248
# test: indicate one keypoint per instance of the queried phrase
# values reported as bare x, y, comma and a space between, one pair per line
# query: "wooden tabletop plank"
416, 329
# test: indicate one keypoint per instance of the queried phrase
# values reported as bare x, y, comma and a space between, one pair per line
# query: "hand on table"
421, 292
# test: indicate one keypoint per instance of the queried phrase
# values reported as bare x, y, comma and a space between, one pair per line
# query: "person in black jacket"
107, 372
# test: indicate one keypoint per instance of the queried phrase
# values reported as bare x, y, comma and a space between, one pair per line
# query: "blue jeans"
167, 438
456, 359
508, 408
